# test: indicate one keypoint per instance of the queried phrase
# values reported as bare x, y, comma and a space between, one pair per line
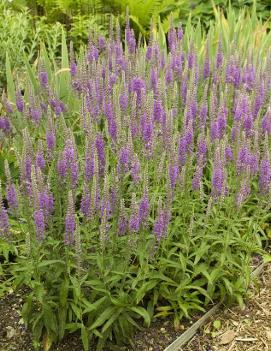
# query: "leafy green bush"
20, 34
141, 12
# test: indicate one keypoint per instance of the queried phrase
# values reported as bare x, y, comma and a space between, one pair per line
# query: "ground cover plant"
138, 178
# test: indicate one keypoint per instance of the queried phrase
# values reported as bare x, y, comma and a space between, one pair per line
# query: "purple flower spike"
39, 224
266, 122
160, 225
173, 174
12, 196
40, 161
242, 157
124, 160
144, 208
43, 78
70, 223
122, 225
265, 176
74, 173
135, 169
86, 204
101, 152
219, 56
180, 32
172, 39
218, 177
149, 53
214, 131
130, 39
228, 153
217, 181
4, 222
50, 140
89, 167
73, 69
5, 125
138, 86
19, 101
102, 42
123, 100
182, 150
62, 167
202, 147
35, 114
69, 151
46, 202
134, 223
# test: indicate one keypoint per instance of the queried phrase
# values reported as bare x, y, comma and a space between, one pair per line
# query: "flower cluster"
153, 124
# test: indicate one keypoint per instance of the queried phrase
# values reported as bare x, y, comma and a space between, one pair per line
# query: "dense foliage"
137, 177
141, 12
25, 24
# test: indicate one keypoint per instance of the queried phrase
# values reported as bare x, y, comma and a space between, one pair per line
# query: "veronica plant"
144, 178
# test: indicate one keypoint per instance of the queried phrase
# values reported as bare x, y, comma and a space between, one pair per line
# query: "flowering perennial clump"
140, 143
208, 119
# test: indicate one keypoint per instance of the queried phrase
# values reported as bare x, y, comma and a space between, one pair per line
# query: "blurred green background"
25, 24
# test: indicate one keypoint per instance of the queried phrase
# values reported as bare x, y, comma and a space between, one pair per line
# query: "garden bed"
136, 184
248, 327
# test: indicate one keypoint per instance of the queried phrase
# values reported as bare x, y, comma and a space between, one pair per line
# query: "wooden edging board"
190, 332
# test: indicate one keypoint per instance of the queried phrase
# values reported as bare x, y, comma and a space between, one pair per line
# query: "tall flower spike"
160, 224
206, 69
89, 159
219, 55
122, 220
86, 202
103, 228
70, 223
4, 221
73, 66
39, 224
19, 100
43, 75
134, 222
11, 192
135, 169
265, 171
7, 105
218, 176
40, 161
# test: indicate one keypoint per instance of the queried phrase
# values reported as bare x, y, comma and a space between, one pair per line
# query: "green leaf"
76, 310
93, 306
63, 293
111, 320
144, 288
10, 83
62, 315
31, 74
46, 263
64, 77
107, 313
49, 319
85, 338
143, 313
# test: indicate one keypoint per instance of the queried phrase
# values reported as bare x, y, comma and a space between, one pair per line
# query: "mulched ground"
235, 329
229, 330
